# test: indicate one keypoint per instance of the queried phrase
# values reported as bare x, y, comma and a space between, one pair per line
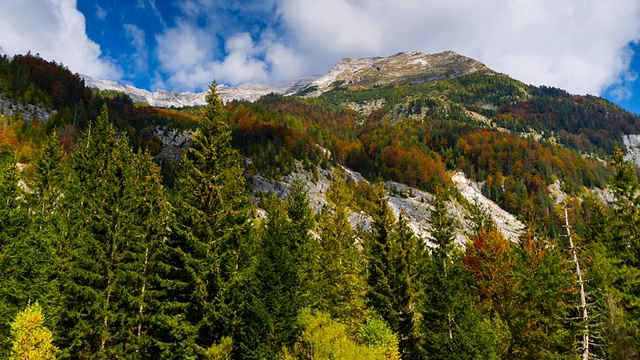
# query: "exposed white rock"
506, 223
557, 194
9, 107
632, 145
415, 204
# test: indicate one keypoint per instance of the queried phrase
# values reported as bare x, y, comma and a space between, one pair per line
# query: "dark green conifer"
201, 267
342, 285
115, 213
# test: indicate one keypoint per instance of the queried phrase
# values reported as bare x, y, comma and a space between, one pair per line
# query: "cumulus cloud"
56, 30
186, 54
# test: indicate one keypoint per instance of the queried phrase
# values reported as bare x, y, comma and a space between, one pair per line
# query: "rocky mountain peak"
402, 68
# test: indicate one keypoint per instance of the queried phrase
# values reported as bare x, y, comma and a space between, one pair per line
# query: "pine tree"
379, 262
13, 221
453, 328
614, 248
31, 340
626, 209
201, 268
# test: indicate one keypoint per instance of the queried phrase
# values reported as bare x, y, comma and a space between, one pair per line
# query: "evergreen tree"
271, 318
343, 284
614, 249
302, 220
116, 214
378, 252
202, 263
453, 328
395, 257
626, 209
13, 221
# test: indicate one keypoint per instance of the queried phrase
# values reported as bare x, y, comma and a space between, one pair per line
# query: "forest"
105, 253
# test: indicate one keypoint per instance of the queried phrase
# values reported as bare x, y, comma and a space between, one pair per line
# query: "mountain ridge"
404, 67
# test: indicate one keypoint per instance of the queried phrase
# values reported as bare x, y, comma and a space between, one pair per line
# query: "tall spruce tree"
379, 262
115, 214
13, 221
452, 328
277, 293
200, 276
342, 267
395, 273
615, 249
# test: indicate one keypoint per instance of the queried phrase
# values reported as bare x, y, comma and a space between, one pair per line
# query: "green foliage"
395, 262
222, 351
324, 338
342, 286
31, 340
128, 267
276, 296
202, 262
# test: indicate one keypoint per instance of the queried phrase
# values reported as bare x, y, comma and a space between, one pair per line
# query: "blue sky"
585, 47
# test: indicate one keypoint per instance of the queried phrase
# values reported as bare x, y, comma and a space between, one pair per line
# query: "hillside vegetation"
127, 257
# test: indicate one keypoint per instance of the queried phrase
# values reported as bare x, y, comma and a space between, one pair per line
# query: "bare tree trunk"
583, 296
144, 286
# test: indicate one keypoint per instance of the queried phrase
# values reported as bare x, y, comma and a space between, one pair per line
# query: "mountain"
437, 146
166, 99
402, 68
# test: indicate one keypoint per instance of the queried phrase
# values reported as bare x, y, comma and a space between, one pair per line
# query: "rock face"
163, 98
415, 204
632, 145
10, 107
506, 223
403, 68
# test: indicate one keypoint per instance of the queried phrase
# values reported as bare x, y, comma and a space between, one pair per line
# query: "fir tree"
395, 257
271, 318
379, 262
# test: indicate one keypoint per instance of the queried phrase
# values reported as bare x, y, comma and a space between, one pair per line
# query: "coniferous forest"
109, 251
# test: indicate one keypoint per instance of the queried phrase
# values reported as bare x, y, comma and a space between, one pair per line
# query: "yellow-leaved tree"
31, 339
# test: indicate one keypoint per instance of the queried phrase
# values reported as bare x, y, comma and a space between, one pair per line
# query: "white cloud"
184, 47
56, 30
140, 56
576, 46
101, 13
186, 55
